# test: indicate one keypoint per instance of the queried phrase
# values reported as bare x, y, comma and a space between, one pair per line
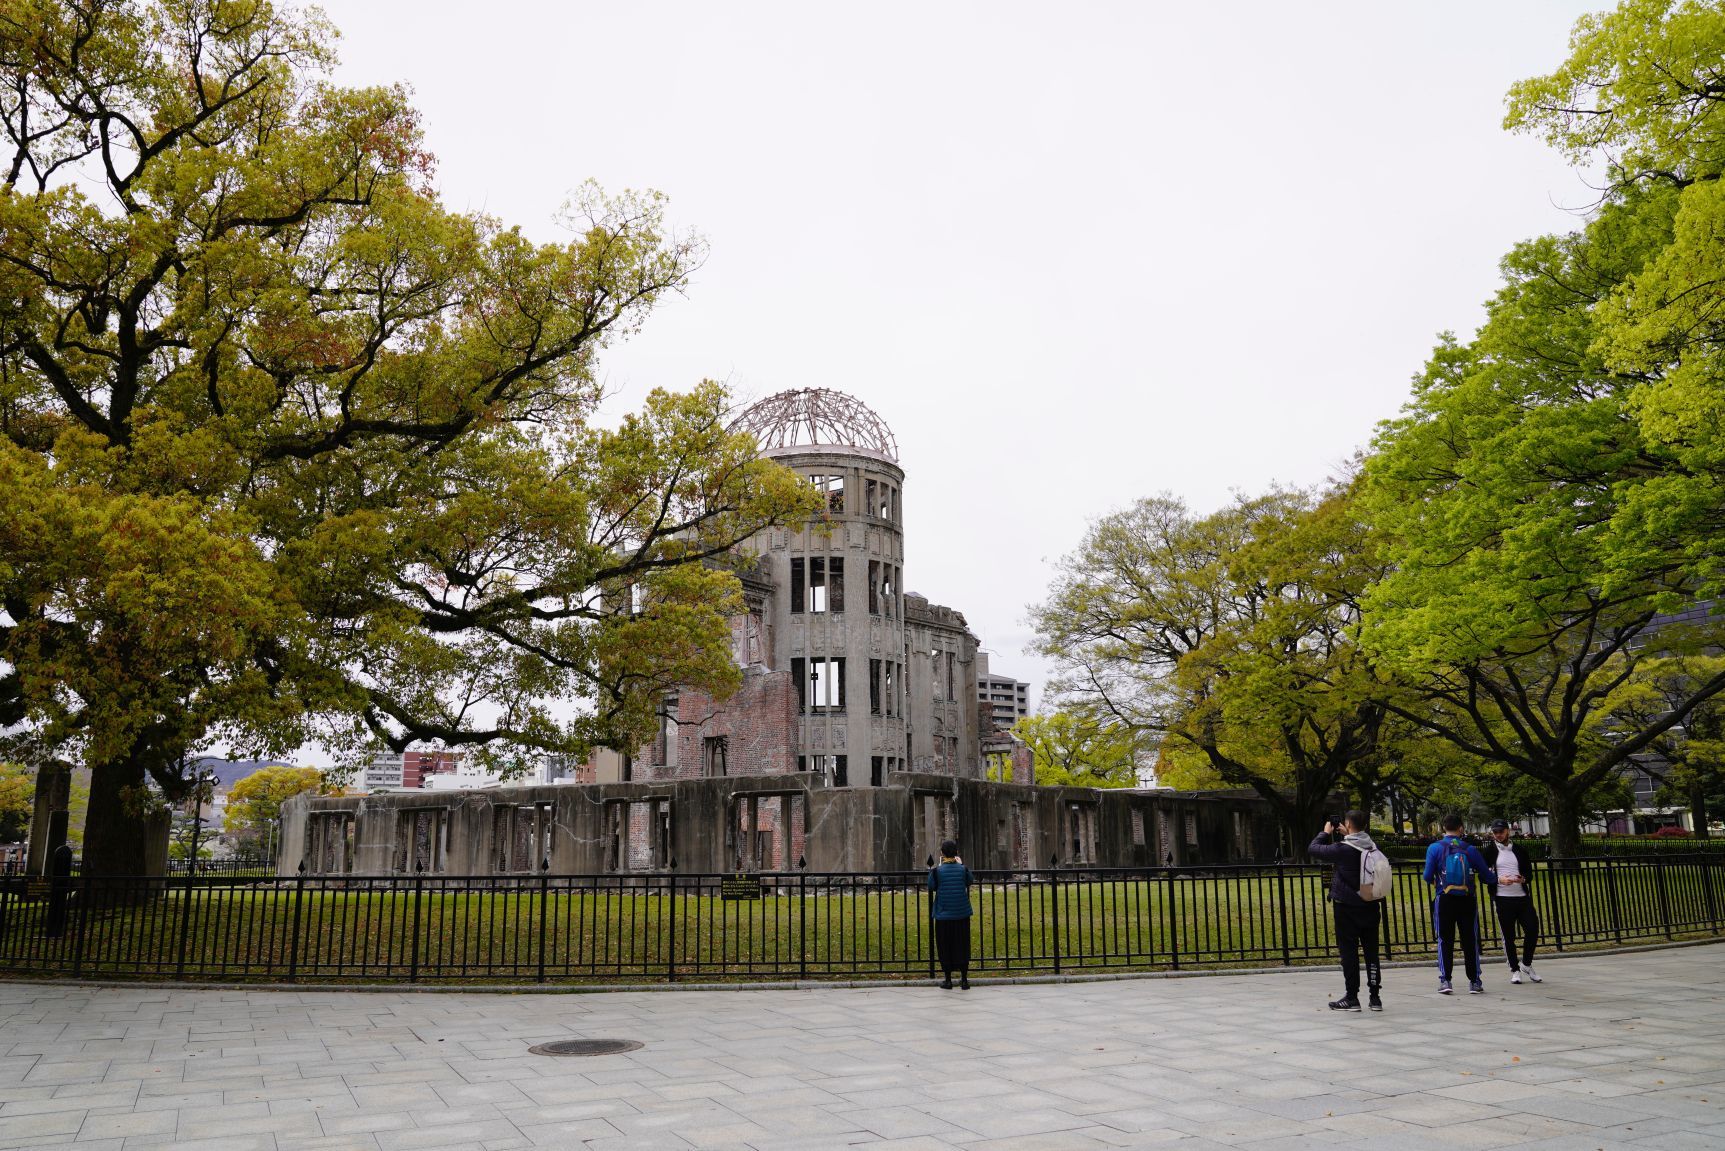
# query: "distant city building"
407, 769
1008, 700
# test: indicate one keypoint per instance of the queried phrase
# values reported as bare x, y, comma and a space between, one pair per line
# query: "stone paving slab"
1612, 1052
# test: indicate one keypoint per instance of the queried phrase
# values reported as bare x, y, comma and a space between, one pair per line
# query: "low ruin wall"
767, 823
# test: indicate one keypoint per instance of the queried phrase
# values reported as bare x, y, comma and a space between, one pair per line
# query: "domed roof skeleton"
816, 417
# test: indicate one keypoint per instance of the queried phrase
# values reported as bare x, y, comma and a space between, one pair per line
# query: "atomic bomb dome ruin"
857, 741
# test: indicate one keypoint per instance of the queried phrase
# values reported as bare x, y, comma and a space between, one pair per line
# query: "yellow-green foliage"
288, 449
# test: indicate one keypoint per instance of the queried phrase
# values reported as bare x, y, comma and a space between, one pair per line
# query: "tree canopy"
1074, 749
255, 802
1553, 492
1226, 639
289, 450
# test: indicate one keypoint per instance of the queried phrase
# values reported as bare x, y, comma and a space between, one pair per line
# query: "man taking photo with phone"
1361, 870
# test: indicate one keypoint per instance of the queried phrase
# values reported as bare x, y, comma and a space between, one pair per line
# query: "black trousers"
1457, 912
1516, 911
1357, 930
952, 944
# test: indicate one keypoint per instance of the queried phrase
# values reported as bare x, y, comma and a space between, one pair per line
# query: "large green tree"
255, 802
1554, 489
289, 450
1227, 638
1081, 749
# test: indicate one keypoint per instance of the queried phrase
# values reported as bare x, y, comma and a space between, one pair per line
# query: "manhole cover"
585, 1047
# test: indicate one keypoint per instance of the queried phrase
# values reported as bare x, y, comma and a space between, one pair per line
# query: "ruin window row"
880, 500
834, 768
818, 587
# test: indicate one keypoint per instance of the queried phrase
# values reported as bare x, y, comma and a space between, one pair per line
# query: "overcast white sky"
1072, 253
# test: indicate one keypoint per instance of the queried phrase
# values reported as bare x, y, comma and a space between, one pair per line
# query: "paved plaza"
1610, 1052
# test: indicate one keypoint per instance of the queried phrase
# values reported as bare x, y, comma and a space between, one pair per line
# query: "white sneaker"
1515, 977
1529, 969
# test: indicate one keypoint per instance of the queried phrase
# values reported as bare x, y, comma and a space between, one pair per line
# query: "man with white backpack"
1358, 889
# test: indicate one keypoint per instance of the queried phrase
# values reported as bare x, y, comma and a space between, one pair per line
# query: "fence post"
185, 921
1556, 900
802, 917
81, 919
1664, 897
413, 928
928, 921
1173, 917
1054, 894
1611, 891
544, 912
671, 928
293, 929
1708, 861
1282, 911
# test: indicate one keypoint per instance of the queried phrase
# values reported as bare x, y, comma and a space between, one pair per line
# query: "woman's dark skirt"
952, 944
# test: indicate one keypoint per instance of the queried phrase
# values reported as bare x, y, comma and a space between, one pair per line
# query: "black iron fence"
539, 928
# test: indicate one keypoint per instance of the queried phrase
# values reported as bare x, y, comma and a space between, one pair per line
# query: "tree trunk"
1698, 807
115, 830
1302, 818
1565, 819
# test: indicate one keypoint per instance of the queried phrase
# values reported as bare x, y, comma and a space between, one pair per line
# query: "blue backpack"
1456, 872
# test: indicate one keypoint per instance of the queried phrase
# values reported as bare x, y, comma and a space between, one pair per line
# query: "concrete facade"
766, 823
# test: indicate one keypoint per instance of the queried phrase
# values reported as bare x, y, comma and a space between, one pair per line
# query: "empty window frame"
833, 487
889, 687
937, 680
874, 686
950, 661
876, 769
521, 837
753, 628
882, 500
817, 584
1081, 831
820, 683
421, 839
715, 756
834, 768
329, 846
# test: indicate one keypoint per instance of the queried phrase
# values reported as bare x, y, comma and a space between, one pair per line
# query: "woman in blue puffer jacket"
950, 882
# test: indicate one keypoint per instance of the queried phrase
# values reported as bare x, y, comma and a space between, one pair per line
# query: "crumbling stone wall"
769, 822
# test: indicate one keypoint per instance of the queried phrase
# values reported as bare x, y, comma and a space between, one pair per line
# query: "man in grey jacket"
1357, 921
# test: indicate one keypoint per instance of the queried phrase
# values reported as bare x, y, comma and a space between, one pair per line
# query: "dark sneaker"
1476, 988
964, 983
1444, 988
1345, 1003
946, 984
1375, 1003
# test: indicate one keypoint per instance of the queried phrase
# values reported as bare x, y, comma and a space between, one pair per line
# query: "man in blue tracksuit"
1451, 868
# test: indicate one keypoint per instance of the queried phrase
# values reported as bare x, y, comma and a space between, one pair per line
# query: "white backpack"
1376, 875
